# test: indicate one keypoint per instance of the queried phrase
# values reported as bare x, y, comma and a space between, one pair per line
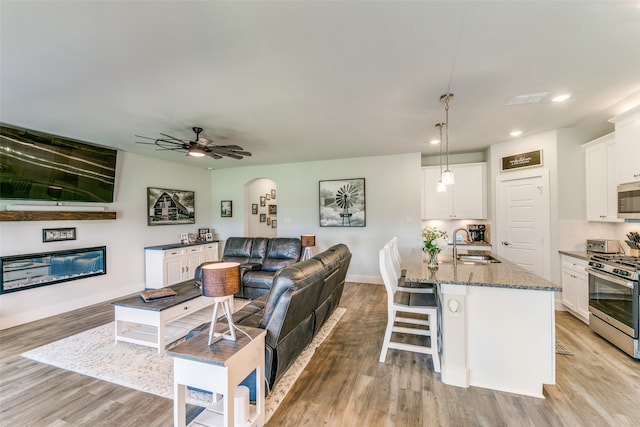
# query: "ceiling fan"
199, 147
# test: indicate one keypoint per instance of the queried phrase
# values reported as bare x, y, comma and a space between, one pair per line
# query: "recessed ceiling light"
560, 98
516, 133
434, 141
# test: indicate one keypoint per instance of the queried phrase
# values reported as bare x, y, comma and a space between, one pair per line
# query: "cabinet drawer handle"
186, 308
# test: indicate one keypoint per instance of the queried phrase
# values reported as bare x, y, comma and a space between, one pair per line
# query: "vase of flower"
433, 241
433, 260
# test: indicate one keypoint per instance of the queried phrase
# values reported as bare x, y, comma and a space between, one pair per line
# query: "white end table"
218, 368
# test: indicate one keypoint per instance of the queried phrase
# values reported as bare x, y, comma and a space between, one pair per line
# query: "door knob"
506, 243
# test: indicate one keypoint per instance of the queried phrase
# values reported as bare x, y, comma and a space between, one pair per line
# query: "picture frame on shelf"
170, 207
184, 238
58, 234
202, 233
226, 208
342, 203
208, 237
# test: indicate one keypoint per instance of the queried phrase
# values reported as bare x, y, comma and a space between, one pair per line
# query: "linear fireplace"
20, 272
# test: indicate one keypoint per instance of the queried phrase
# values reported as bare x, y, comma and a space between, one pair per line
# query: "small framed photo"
274, 223
184, 238
273, 194
267, 196
263, 217
226, 209
254, 208
268, 221
208, 237
273, 209
263, 201
58, 234
202, 233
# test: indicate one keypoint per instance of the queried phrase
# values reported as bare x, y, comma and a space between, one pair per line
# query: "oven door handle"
609, 278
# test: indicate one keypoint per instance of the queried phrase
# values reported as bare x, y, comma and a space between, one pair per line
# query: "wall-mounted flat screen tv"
39, 166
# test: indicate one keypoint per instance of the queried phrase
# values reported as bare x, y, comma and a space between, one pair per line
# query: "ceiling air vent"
530, 98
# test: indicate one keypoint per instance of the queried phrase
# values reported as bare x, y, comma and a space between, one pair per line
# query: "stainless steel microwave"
629, 200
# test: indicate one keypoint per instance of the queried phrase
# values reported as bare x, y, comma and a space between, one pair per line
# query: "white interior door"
522, 221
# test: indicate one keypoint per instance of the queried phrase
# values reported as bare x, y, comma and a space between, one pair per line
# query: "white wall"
393, 198
125, 239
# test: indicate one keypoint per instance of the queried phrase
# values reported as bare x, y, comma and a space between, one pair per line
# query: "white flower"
441, 243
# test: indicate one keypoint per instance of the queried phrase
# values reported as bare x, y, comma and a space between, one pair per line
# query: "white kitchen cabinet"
466, 199
575, 287
169, 264
627, 137
601, 179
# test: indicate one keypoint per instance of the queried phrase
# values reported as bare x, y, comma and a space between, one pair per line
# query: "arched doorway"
260, 201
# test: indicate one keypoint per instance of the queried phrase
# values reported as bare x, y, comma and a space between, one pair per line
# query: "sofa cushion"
237, 249
281, 252
259, 250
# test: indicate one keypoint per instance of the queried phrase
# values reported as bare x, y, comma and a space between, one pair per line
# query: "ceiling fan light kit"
200, 147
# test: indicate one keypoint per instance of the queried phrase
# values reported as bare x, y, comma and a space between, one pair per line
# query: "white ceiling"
307, 80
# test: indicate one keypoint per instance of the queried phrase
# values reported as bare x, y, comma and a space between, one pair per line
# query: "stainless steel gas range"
614, 300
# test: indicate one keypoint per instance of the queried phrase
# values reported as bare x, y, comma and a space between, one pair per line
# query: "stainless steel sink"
477, 259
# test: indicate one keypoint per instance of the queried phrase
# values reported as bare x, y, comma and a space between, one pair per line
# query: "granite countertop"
499, 275
178, 245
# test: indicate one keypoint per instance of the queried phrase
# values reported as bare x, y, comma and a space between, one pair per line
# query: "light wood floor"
343, 385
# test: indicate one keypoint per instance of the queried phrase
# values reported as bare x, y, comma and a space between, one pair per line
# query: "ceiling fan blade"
145, 137
223, 151
230, 147
214, 155
175, 139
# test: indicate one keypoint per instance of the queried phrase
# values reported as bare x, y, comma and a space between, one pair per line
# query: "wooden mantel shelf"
55, 215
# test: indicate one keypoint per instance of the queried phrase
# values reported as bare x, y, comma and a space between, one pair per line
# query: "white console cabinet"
466, 199
575, 287
169, 264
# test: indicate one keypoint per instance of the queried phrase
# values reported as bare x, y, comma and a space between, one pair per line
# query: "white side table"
306, 253
218, 368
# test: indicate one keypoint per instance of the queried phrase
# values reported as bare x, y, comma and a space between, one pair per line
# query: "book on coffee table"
155, 294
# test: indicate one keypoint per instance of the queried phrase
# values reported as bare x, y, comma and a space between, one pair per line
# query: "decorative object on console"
226, 210
308, 241
169, 207
200, 147
220, 280
342, 203
58, 234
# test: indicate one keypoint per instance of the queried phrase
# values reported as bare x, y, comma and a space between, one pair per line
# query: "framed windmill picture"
342, 203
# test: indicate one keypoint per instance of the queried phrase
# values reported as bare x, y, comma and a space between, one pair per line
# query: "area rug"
562, 349
95, 353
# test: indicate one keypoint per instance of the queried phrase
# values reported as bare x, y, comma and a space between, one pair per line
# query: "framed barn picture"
170, 207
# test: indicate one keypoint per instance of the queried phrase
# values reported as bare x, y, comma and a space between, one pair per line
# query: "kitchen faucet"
455, 248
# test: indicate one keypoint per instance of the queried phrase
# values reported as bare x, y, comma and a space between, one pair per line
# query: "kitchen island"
498, 323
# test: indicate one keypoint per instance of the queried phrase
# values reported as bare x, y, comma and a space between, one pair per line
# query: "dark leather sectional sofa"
260, 258
302, 297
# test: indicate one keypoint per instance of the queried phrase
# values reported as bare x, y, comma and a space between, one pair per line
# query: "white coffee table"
161, 322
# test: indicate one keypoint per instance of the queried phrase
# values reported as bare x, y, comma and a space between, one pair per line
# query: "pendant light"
440, 187
447, 175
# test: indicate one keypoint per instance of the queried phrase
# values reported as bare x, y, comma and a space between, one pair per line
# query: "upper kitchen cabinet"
628, 145
601, 179
466, 199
